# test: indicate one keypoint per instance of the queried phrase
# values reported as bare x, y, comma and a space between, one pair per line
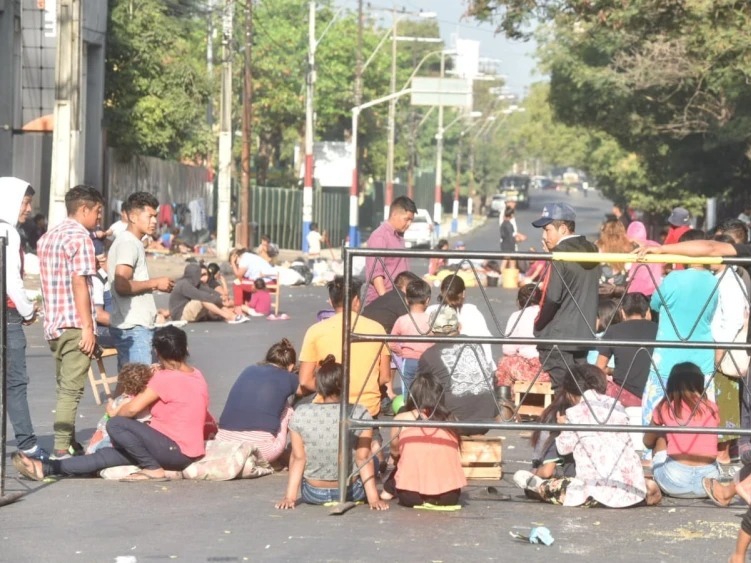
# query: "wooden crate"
482, 457
538, 397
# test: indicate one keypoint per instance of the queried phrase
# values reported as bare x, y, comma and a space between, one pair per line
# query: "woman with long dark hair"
682, 461
428, 461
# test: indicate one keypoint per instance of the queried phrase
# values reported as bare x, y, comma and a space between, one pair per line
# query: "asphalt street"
92, 520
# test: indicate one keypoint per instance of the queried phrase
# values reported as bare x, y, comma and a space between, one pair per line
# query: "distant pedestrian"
381, 272
66, 264
568, 308
15, 200
314, 240
680, 222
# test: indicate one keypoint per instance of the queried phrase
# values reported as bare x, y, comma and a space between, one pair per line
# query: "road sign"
448, 92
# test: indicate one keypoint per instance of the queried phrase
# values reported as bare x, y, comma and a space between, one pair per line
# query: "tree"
156, 86
665, 79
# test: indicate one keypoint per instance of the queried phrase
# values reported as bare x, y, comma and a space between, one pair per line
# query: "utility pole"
224, 211
66, 138
10, 44
457, 184
470, 202
243, 235
210, 58
438, 205
307, 190
354, 206
391, 123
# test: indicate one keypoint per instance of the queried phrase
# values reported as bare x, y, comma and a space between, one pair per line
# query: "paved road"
90, 520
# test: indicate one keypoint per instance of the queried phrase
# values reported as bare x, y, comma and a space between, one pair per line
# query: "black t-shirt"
468, 380
386, 308
508, 242
257, 399
632, 377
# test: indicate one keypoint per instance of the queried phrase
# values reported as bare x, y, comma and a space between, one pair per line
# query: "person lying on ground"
257, 411
428, 461
178, 397
132, 379
608, 469
314, 461
192, 300
681, 461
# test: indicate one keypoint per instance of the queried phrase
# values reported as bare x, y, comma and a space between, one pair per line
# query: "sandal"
708, 485
29, 468
139, 476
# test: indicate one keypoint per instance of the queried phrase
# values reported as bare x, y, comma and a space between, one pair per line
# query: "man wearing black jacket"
193, 300
568, 309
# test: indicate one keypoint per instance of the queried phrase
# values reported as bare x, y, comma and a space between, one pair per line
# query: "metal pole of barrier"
13, 497
344, 453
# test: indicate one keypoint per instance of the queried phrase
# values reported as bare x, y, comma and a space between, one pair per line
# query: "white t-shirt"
255, 266
130, 311
117, 228
314, 242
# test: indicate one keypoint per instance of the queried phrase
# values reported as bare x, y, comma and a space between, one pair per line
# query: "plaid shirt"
65, 249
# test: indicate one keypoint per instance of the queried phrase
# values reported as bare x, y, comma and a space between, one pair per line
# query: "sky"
517, 57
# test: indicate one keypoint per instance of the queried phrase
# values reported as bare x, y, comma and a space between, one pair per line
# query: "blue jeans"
409, 373
133, 345
319, 495
18, 381
679, 480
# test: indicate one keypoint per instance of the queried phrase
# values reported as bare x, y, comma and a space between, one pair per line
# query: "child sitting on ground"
314, 436
608, 469
132, 379
682, 461
260, 300
547, 461
415, 323
428, 461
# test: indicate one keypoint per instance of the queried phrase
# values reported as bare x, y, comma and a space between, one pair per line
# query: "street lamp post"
307, 190
438, 206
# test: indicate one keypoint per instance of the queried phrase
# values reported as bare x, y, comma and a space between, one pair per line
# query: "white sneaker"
239, 319
527, 480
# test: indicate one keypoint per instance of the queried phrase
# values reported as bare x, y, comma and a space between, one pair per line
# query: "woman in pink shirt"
682, 461
414, 323
178, 397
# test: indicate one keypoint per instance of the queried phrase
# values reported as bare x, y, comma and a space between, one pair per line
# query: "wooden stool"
103, 379
482, 456
538, 397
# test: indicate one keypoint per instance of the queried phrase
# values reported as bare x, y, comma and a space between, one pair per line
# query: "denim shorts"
320, 495
679, 480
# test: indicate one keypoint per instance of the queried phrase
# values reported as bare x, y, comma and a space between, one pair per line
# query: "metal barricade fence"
349, 337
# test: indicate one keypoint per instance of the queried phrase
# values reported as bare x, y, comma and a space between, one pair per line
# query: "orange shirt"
429, 461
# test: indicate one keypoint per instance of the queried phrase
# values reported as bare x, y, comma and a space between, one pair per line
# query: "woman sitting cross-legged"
682, 461
256, 411
178, 397
314, 435
428, 462
608, 470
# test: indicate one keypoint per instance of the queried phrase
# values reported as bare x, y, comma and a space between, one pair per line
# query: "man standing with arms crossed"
380, 272
15, 197
134, 310
66, 264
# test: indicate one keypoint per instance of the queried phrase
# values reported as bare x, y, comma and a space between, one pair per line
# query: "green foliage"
156, 87
667, 80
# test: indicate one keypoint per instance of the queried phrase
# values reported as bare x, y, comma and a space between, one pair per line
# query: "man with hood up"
193, 300
568, 309
15, 207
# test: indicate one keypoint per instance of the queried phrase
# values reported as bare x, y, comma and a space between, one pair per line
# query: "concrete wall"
28, 36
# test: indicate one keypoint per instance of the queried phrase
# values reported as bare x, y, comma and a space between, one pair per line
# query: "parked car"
547, 184
421, 232
497, 203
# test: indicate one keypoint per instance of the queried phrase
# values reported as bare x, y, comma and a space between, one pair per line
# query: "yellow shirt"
325, 337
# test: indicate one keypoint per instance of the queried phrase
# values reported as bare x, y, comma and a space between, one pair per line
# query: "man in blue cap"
568, 309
